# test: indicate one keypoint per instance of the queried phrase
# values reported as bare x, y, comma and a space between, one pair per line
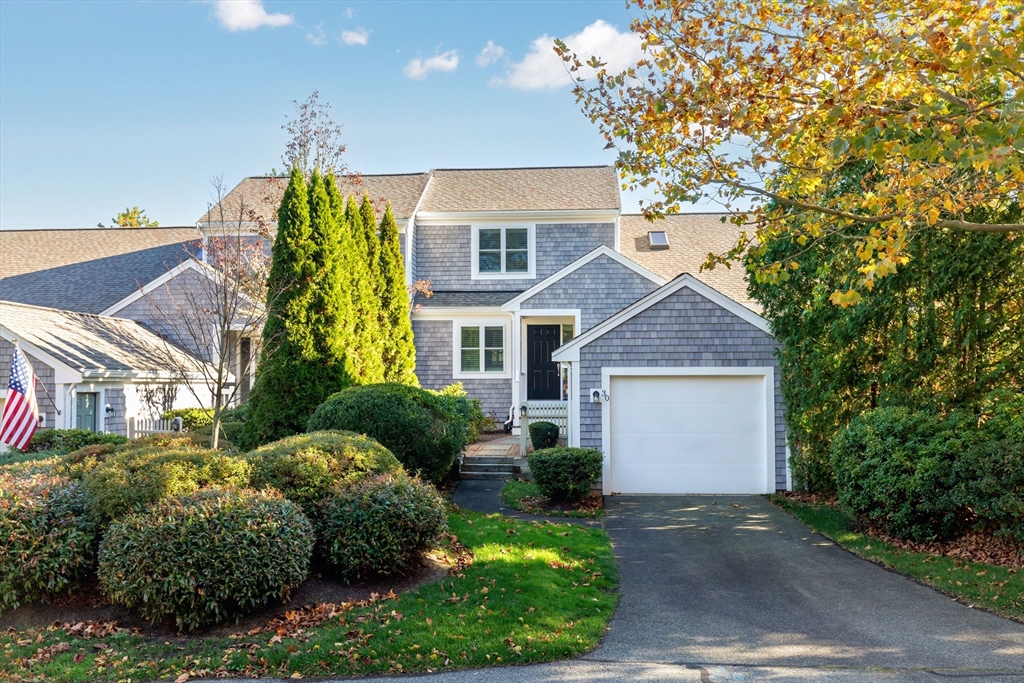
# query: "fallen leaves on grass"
974, 546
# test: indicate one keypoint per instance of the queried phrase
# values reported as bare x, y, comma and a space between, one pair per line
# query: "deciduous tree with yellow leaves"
773, 100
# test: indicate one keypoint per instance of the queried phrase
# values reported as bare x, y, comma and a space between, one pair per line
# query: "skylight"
658, 239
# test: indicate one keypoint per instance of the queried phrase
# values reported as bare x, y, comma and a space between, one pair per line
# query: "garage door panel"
688, 434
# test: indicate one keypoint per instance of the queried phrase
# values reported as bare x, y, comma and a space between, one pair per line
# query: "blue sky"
105, 105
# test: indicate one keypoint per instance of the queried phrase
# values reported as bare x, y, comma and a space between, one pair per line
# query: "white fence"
140, 426
556, 412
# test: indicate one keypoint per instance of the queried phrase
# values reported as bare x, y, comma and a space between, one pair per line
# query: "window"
658, 239
502, 251
482, 348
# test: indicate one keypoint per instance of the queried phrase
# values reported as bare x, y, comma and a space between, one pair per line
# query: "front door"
85, 410
542, 372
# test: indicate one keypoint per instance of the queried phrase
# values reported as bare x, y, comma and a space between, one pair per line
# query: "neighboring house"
94, 371
546, 298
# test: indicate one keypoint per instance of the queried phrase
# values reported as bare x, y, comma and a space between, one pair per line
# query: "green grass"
996, 589
534, 592
515, 491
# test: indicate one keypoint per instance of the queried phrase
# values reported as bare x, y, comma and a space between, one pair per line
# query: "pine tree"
281, 400
366, 334
399, 353
330, 305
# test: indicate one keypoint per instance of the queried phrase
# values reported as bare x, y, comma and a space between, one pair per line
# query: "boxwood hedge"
565, 473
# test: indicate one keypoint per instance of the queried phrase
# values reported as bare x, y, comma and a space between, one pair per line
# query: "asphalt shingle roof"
87, 270
691, 238
92, 343
523, 189
259, 197
453, 299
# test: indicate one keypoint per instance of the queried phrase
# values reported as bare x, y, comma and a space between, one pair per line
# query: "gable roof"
513, 304
691, 237
260, 196
522, 189
570, 350
95, 346
87, 270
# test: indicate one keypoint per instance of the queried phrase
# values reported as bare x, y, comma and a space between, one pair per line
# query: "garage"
680, 393
672, 433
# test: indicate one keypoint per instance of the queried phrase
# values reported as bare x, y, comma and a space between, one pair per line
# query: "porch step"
489, 476
489, 459
488, 467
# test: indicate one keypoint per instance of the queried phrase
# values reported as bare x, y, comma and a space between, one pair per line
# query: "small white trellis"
555, 412
140, 426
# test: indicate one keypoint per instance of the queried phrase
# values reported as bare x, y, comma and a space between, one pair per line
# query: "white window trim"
457, 325
531, 236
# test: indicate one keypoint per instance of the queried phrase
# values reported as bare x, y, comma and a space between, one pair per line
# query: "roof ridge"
159, 227
686, 213
521, 168
348, 175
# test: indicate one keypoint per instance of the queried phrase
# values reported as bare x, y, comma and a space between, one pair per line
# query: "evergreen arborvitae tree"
399, 353
330, 305
366, 334
284, 395
369, 218
346, 253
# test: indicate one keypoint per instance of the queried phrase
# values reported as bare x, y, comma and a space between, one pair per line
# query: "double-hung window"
481, 348
503, 251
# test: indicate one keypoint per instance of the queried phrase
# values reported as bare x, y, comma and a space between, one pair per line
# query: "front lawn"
533, 592
997, 589
525, 496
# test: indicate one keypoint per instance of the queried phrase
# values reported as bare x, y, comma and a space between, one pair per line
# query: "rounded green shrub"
191, 418
207, 557
67, 440
565, 473
543, 435
129, 480
380, 525
471, 408
306, 467
426, 432
46, 537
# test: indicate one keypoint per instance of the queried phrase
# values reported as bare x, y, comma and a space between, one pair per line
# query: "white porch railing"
140, 426
556, 412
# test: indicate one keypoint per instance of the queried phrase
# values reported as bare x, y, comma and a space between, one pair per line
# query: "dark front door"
541, 371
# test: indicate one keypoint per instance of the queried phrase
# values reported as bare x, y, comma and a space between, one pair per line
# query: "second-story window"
502, 251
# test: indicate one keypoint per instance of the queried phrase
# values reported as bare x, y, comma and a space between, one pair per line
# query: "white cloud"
542, 69
358, 37
490, 54
247, 15
417, 69
317, 35
350, 12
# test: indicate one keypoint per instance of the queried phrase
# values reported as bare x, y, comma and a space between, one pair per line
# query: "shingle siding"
115, 422
443, 253
685, 329
163, 310
434, 368
599, 289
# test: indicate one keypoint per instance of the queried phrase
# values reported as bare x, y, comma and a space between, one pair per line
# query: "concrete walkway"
733, 589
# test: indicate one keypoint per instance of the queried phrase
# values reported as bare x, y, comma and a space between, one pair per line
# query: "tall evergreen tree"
369, 218
330, 305
366, 340
283, 396
346, 253
398, 353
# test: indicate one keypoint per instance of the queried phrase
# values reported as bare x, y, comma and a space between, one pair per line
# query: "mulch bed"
978, 545
540, 504
317, 599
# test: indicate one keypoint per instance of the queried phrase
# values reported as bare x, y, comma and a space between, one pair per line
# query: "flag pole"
45, 390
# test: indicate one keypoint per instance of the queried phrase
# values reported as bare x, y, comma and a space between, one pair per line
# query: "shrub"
543, 435
67, 440
306, 467
207, 557
565, 473
191, 418
423, 430
380, 524
46, 538
16, 457
896, 470
129, 480
471, 408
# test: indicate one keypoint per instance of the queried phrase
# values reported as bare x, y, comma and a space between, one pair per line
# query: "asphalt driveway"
734, 589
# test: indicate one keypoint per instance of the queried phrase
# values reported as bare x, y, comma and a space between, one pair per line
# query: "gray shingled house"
545, 297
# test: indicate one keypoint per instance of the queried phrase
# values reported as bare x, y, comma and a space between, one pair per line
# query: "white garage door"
688, 434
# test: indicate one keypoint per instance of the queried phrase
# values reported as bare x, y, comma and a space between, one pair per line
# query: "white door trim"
766, 372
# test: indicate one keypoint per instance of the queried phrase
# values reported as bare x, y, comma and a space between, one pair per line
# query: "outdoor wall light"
109, 409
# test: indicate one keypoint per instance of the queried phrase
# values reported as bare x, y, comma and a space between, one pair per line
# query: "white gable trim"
571, 351
154, 284
410, 233
514, 304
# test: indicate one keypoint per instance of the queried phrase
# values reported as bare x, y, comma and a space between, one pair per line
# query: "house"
546, 299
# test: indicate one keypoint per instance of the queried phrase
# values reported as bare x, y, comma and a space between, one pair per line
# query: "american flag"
21, 413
